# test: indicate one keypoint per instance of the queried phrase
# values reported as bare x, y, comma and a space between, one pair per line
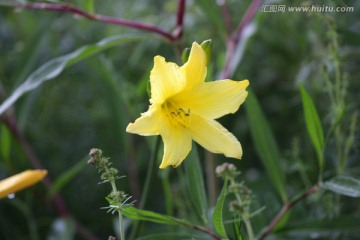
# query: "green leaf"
89, 6
344, 185
5, 138
167, 191
313, 125
265, 144
185, 55
195, 184
217, 216
66, 178
324, 227
236, 227
166, 236
54, 67
213, 13
138, 214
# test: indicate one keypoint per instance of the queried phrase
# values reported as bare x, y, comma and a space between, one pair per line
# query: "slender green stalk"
249, 229
22, 206
167, 192
145, 191
121, 225
244, 215
149, 173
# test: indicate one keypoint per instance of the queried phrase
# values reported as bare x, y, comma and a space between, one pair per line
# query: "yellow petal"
195, 68
148, 123
214, 137
20, 181
177, 145
166, 80
212, 100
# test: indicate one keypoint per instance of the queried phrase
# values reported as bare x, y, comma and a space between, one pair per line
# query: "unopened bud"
207, 47
227, 170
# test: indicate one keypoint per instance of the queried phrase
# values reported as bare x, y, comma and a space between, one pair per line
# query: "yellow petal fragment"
20, 181
177, 145
212, 100
214, 137
195, 68
148, 123
166, 80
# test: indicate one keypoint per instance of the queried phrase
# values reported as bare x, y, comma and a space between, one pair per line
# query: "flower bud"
227, 170
207, 47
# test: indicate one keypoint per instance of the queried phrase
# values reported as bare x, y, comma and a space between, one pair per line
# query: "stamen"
177, 116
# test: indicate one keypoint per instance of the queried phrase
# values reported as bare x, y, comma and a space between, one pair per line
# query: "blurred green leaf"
324, 227
212, 11
217, 216
265, 144
236, 227
283, 221
5, 138
344, 185
54, 67
167, 191
89, 6
184, 56
138, 214
313, 125
65, 178
195, 184
116, 98
166, 236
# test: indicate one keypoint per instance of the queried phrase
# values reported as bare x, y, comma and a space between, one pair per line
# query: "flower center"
177, 116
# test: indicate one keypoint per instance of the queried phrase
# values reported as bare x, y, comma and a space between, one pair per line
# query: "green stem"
145, 191
121, 225
249, 229
122, 232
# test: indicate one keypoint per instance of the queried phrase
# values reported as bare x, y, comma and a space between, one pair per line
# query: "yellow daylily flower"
183, 107
20, 181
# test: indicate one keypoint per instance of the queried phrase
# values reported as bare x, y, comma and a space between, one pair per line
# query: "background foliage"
90, 103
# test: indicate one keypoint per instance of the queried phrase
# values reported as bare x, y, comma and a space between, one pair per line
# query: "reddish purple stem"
67, 8
268, 229
234, 40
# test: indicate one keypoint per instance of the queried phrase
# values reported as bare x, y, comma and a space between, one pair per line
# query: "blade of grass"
195, 183
66, 177
54, 67
313, 126
217, 217
265, 144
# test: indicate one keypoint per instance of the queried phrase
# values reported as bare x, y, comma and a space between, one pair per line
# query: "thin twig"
68, 8
268, 229
206, 231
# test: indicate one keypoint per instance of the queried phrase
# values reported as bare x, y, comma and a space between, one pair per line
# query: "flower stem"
121, 225
249, 229
122, 232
